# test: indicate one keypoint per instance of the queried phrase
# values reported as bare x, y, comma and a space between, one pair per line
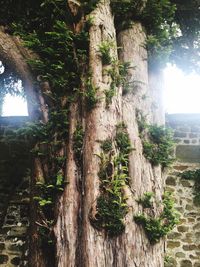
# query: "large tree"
93, 93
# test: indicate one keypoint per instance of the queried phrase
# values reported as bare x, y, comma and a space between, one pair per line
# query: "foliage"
122, 139
78, 143
142, 124
105, 52
111, 211
123, 74
90, 94
125, 11
158, 18
107, 145
160, 46
158, 227
158, 148
110, 94
158, 143
146, 200
111, 206
191, 175
172, 29
195, 176
89, 5
186, 46
161, 19
57, 64
119, 74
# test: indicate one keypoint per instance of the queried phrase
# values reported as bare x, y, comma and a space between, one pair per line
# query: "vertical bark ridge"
143, 177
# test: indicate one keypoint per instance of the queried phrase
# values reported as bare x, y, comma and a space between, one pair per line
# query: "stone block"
171, 262
177, 140
173, 244
189, 153
17, 231
193, 135
189, 207
180, 209
180, 134
171, 180
180, 168
196, 226
182, 228
189, 247
174, 235
2, 246
189, 235
186, 263
194, 141
193, 214
197, 235
192, 257
180, 255
15, 261
187, 240
15, 247
182, 220
186, 183
3, 259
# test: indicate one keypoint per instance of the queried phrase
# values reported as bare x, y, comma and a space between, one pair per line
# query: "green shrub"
158, 227
111, 206
158, 148
105, 52
146, 200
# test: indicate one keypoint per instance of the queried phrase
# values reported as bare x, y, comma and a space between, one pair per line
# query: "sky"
14, 106
181, 95
182, 92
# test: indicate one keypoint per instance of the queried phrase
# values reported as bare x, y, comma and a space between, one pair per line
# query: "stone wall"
14, 194
183, 244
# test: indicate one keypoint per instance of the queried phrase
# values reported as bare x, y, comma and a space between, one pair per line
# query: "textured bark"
78, 243
144, 178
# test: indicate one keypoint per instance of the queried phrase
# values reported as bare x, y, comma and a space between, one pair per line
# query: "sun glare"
14, 106
181, 95
182, 92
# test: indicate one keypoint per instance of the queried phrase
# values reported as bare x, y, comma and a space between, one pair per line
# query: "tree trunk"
78, 242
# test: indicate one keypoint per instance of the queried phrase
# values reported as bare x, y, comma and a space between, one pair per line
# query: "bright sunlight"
181, 95
182, 92
14, 106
